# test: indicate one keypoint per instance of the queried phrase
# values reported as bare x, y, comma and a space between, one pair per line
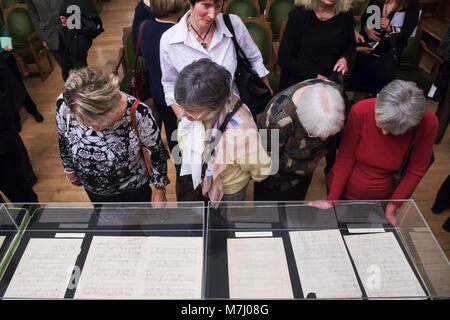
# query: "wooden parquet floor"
42, 142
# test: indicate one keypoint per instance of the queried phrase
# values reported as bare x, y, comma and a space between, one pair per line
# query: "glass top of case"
349, 251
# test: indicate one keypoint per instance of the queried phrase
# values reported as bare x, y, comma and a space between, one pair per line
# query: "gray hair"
400, 106
320, 109
203, 84
91, 95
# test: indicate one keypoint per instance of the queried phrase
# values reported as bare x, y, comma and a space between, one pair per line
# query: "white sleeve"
168, 71
249, 47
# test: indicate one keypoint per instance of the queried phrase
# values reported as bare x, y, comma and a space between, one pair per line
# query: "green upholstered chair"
262, 34
187, 7
277, 11
359, 7
127, 59
26, 44
410, 69
243, 8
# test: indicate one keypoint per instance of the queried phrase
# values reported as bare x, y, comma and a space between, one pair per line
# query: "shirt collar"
181, 30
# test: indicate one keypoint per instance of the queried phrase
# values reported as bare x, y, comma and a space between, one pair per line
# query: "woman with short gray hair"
217, 136
99, 146
375, 141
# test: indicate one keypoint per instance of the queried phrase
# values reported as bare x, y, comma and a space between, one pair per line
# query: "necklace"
203, 43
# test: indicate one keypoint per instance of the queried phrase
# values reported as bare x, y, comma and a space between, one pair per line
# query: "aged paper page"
173, 268
142, 268
45, 269
382, 266
257, 268
323, 264
112, 267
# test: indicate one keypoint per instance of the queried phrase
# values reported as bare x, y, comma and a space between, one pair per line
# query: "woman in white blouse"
202, 33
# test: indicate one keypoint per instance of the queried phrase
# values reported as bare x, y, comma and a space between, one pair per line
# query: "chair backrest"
18, 23
8, 3
359, 7
262, 36
277, 11
187, 7
242, 8
283, 27
410, 54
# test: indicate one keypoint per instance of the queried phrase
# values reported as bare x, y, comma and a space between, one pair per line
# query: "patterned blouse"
110, 162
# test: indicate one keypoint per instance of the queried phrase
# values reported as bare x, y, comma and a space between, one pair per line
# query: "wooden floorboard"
42, 143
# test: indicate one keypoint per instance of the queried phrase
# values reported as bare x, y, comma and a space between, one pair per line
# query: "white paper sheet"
2, 238
45, 269
257, 268
323, 264
142, 268
382, 266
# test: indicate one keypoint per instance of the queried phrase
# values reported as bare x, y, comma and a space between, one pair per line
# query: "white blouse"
178, 48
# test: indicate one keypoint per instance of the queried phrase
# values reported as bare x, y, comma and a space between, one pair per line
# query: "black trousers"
142, 194
28, 103
168, 117
263, 192
12, 181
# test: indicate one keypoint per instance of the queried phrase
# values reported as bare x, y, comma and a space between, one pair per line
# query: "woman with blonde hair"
318, 39
100, 147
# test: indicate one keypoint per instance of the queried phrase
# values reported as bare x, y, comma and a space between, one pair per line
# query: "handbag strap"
405, 161
134, 121
139, 45
222, 129
239, 52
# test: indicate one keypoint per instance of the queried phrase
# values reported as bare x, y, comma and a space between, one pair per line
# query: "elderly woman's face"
204, 12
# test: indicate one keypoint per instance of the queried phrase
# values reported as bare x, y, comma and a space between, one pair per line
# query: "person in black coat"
13, 182
372, 73
78, 41
318, 39
141, 13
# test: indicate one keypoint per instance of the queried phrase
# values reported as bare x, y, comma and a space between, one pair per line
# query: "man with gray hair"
307, 115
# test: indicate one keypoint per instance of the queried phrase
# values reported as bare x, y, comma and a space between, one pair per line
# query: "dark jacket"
45, 17
12, 95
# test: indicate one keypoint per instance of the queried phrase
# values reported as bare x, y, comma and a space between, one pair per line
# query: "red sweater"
367, 159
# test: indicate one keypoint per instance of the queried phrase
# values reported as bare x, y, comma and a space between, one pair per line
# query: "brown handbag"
145, 152
140, 81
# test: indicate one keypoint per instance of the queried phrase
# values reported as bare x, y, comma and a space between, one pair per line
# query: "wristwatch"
160, 187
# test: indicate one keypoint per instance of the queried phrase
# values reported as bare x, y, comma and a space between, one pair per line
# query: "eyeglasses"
193, 117
309, 135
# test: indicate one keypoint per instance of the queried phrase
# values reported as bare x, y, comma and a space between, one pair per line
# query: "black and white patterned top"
110, 162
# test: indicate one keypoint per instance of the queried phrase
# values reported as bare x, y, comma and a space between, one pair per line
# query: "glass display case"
108, 251
236, 250
11, 217
290, 250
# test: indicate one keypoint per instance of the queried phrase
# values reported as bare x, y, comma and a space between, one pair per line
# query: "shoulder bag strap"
239, 52
401, 170
139, 45
222, 129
